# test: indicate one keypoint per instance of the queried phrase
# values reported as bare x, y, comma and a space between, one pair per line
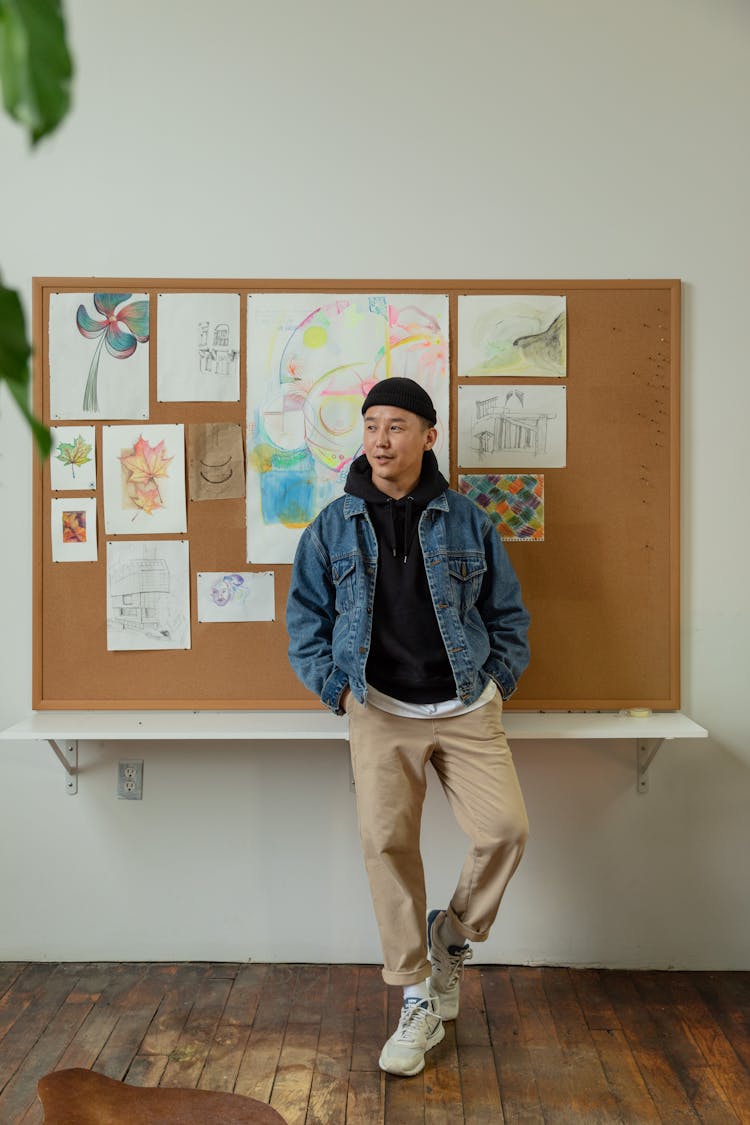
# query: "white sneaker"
419, 1028
447, 966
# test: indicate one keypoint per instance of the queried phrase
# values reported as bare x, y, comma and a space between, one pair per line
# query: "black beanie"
405, 393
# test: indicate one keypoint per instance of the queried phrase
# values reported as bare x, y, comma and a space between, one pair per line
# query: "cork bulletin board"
599, 569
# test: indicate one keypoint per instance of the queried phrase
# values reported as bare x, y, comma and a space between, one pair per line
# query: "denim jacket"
474, 590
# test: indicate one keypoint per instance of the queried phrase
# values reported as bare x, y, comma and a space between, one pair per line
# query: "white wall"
491, 139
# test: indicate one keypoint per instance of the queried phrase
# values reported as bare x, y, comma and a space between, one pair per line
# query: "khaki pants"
472, 759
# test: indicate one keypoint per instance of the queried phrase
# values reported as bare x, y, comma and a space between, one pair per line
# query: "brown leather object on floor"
83, 1097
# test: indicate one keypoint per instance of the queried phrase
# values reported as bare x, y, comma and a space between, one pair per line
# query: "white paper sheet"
72, 463
505, 427
522, 335
230, 596
143, 468
198, 342
73, 529
311, 360
148, 595
98, 366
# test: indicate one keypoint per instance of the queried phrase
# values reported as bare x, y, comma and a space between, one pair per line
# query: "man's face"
394, 442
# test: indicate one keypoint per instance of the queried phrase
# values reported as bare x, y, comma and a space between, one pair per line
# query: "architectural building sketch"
514, 503
143, 468
311, 360
72, 463
98, 355
73, 529
224, 596
512, 335
198, 347
148, 595
216, 461
511, 427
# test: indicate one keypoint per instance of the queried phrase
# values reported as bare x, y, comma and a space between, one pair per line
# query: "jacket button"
363, 649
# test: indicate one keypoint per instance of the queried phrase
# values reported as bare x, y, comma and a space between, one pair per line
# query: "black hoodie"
407, 656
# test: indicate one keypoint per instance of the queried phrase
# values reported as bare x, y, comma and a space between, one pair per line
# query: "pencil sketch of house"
215, 356
498, 428
137, 589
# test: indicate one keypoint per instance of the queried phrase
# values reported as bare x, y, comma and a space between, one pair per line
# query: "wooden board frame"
603, 588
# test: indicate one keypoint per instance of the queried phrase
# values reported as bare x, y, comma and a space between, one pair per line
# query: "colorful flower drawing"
514, 503
74, 453
124, 327
143, 466
74, 527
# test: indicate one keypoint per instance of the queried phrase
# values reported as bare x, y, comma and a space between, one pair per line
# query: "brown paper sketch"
216, 461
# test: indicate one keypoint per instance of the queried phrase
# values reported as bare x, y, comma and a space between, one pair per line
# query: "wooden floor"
530, 1045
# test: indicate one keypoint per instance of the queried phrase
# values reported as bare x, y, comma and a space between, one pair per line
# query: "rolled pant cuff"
465, 931
407, 976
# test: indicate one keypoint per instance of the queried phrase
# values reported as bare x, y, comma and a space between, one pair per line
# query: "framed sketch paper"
512, 335
73, 529
311, 360
511, 427
148, 595
72, 463
98, 355
143, 468
246, 596
198, 347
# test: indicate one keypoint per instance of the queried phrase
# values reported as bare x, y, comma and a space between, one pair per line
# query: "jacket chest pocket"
344, 574
466, 575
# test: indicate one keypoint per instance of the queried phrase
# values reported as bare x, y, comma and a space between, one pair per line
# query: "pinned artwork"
98, 355
216, 461
198, 347
311, 360
512, 335
511, 427
73, 526
72, 462
148, 595
143, 468
248, 596
514, 503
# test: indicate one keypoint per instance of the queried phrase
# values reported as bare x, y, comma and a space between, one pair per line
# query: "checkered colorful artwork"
514, 502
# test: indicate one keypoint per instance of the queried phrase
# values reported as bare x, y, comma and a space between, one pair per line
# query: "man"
404, 612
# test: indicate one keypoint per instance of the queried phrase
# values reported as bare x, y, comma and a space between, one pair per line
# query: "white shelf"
63, 730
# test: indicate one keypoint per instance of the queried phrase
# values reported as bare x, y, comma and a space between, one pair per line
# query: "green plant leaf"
14, 363
35, 64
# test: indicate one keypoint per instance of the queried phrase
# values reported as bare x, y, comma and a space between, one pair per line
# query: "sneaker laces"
413, 1025
454, 963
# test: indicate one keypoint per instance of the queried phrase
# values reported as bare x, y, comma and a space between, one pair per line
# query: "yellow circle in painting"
315, 336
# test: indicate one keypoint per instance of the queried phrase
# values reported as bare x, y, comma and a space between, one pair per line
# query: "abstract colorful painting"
311, 360
226, 596
514, 503
143, 468
198, 347
73, 528
505, 427
72, 463
98, 355
512, 335
148, 594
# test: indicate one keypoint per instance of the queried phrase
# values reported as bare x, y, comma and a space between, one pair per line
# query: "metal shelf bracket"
647, 750
68, 755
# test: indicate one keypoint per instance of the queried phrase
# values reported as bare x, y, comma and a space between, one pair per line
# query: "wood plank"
370, 1019
167, 1026
482, 1104
651, 1051
20, 994
296, 1066
727, 997
593, 999
443, 1099
187, 1059
404, 1097
554, 1080
52, 989
258, 1067
10, 971
592, 1100
88, 1042
137, 1005
518, 1089
330, 1084
634, 1102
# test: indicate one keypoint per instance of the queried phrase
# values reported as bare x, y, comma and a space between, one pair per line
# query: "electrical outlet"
130, 780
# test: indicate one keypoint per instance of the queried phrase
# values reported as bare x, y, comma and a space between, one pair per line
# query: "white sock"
419, 991
449, 936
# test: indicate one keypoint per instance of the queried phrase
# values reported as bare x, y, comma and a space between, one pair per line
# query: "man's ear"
430, 437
